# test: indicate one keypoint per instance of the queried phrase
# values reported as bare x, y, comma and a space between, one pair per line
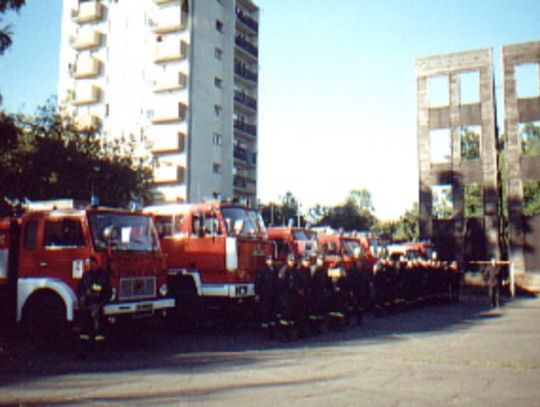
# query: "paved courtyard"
451, 354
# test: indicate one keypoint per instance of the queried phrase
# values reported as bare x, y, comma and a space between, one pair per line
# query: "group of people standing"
310, 294
317, 292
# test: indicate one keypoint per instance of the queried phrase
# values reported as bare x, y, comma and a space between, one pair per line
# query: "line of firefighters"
311, 294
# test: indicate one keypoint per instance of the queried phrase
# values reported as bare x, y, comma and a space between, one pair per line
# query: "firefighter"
338, 295
304, 279
289, 287
355, 286
455, 281
320, 293
265, 295
379, 286
93, 292
492, 276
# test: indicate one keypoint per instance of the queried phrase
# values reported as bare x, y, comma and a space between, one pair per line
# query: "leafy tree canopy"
45, 156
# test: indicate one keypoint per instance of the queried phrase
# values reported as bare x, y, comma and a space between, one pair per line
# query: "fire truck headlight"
163, 290
113, 294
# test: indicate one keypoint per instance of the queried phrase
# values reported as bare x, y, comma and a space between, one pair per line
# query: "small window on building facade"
531, 198
218, 53
219, 26
216, 167
218, 83
217, 110
216, 139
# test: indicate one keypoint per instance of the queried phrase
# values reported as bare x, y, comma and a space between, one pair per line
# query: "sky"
337, 90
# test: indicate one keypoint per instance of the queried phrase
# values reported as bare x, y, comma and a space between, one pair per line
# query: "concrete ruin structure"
456, 236
520, 166
480, 229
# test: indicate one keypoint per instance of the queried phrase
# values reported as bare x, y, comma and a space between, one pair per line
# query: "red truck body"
45, 251
214, 249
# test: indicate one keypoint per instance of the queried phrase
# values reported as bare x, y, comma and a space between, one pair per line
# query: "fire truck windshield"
349, 246
243, 221
304, 235
124, 232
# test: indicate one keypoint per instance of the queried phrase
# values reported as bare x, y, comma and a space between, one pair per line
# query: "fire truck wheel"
44, 320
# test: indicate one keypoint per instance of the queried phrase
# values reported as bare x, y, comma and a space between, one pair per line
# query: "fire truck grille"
136, 288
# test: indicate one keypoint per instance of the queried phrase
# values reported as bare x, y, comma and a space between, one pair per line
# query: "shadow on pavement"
221, 346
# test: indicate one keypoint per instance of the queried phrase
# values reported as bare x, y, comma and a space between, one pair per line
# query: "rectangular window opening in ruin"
443, 202
440, 146
531, 198
470, 142
469, 87
474, 200
438, 91
527, 81
529, 134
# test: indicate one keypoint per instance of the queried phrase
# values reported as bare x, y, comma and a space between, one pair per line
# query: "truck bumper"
138, 307
239, 290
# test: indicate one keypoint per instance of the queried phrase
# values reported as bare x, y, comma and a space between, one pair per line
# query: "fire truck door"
206, 247
65, 249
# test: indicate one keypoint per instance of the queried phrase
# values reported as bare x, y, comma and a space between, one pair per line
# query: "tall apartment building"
177, 76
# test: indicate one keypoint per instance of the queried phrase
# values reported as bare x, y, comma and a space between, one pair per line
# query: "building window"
218, 53
218, 83
216, 139
217, 110
216, 167
219, 26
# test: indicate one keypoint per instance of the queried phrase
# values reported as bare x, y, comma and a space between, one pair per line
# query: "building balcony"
171, 142
247, 21
168, 51
166, 21
245, 100
247, 46
89, 11
87, 38
87, 122
244, 155
168, 173
249, 129
86, 93
166, 83
245, 73
245, 183
87, 67
170, 113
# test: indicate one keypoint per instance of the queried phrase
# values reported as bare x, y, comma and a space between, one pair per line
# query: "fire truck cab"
299, 241
45, 250
214, 249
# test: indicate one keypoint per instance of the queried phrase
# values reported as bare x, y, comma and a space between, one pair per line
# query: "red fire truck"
214, 250
337, 245
300, 241
45, 250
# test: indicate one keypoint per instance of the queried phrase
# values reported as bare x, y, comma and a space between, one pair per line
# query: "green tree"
404, 229
282, 213
530, 139
531, 198
5, 30
474, 200
354, 214
470, 144
48, 157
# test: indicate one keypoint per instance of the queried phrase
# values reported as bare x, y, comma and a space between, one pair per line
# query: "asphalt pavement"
436, 355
